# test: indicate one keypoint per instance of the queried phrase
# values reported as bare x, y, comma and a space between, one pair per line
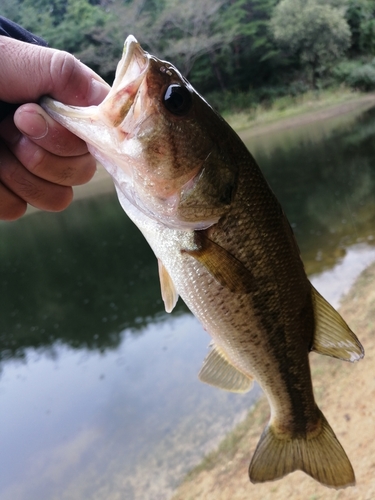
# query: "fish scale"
225, 246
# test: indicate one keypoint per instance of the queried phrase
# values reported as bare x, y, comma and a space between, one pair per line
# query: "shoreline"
305, 117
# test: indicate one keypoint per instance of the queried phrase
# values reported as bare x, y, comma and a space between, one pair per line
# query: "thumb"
27, 72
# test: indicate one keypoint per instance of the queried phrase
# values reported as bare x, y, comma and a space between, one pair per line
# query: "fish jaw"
102, 126
123, 98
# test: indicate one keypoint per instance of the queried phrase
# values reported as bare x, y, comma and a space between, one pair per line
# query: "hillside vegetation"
239, 53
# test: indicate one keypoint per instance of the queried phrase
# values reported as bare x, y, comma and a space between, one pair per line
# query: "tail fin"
319, 455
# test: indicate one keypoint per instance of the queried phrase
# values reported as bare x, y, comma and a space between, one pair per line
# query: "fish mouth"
132, 66
130, 73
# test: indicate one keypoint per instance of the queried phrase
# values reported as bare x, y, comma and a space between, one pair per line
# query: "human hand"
40, 160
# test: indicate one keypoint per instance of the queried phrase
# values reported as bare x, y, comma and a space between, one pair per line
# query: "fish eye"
177, 99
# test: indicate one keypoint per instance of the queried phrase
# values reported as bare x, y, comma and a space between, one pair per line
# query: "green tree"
252, 59
316, 32
360, 15
186, 30
222, 44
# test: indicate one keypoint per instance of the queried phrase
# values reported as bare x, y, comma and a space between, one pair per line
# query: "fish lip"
57, 108
132, 52
123, 96
130, 73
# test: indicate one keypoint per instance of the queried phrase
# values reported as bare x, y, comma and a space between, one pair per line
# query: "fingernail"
32, 124
97, 92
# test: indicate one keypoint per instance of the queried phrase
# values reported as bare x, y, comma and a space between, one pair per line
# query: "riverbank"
289, 112
345, 393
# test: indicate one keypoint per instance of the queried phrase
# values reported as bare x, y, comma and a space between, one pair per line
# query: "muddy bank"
331, 111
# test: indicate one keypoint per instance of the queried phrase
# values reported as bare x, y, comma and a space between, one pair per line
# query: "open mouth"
132, 66
130, 73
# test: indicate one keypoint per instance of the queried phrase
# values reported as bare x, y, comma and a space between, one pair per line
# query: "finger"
11, 206
29, 71
70, 171
38, 126
66, 171
30, 188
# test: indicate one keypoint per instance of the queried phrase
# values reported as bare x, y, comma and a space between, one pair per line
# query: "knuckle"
10, 174
37, 162
20, 184
63, 67
19, 181
88, 169
66, 175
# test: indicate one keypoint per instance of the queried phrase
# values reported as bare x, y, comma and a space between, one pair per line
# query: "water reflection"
79, 277
99, 390
337, 281
324, 176
134, 420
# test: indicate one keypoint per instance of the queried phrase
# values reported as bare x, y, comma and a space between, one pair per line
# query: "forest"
234, 51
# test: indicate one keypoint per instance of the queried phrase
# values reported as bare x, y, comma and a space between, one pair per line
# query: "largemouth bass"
225, 246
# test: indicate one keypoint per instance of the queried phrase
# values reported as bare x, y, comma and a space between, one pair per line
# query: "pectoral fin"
217, 371
332, 335
222, 265
168, 290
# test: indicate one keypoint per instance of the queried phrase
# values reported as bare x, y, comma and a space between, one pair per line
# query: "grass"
289, 106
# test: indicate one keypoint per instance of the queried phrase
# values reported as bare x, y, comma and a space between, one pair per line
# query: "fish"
224, 245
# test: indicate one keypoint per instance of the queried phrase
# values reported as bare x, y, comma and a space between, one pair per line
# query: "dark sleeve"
13, 30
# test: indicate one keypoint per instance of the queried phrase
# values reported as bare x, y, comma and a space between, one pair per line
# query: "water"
99, 394
323, 174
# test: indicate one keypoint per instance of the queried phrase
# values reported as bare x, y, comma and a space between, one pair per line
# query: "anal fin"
219, 372
168, 290
333, 337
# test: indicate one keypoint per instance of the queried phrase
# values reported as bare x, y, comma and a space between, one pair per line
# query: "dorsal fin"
222, 265
168, 290
333, 337
219, 372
